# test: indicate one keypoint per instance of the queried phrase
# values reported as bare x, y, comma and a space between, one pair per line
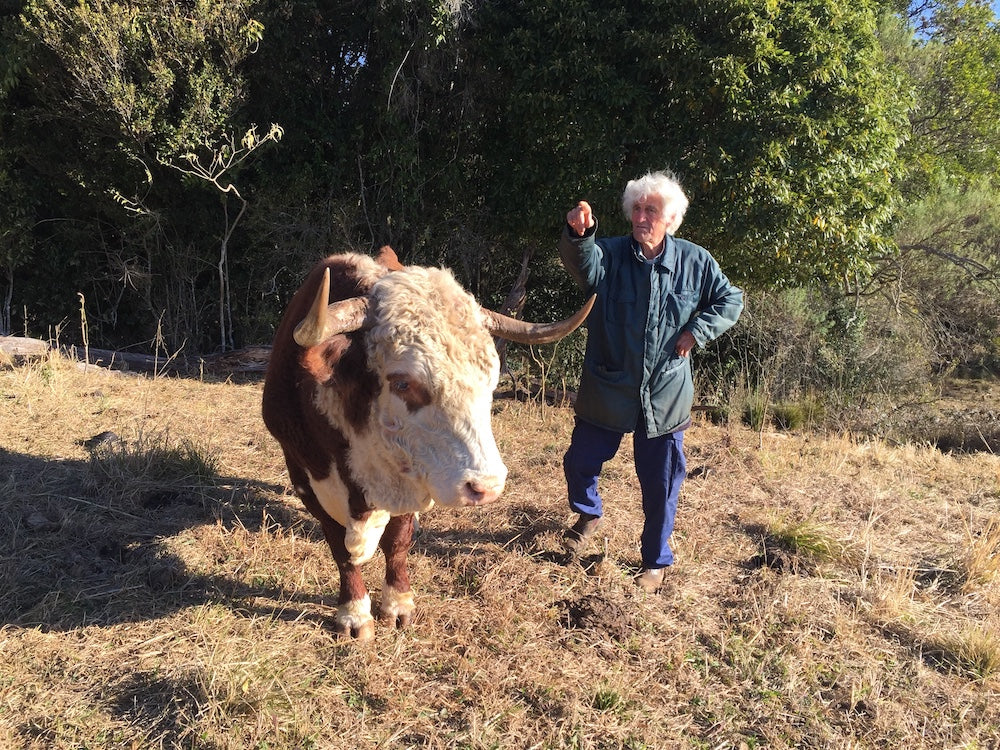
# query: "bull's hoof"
354, 620
403, 621
397, 607
363, 632
398, 620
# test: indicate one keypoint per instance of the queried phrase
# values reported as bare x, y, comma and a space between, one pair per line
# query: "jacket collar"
665, 261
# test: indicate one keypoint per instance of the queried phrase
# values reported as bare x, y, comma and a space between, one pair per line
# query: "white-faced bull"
379, 388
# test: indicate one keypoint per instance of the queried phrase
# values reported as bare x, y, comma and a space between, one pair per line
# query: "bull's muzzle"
481, 490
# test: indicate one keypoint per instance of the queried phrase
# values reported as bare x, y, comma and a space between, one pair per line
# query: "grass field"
161, 588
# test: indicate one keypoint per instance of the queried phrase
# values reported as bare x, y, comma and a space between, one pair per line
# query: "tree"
946, 273
781, 118
458, 132
952, 57
226, 159
123, 91
15, 237
16, 208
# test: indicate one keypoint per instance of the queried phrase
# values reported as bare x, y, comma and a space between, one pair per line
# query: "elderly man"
657, 296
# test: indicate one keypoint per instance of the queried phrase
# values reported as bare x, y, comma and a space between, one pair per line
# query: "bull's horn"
522, 332
325, 320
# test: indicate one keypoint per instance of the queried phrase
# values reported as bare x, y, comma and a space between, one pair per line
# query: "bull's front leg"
397, 605
354, 606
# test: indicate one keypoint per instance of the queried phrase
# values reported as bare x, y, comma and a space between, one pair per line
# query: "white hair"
663, 185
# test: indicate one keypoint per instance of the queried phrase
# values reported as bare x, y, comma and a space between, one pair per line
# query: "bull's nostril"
479, 492
475, 492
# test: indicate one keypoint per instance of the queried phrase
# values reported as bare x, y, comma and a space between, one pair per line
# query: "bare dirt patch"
598, 615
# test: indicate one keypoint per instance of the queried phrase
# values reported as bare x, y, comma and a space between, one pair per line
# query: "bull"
379, 390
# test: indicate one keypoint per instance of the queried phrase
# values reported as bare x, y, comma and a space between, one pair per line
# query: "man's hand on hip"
685, 343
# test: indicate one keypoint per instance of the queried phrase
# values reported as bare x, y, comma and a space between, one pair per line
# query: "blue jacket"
631, 374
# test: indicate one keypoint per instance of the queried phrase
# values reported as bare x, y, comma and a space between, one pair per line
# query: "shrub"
806, 356
154, 461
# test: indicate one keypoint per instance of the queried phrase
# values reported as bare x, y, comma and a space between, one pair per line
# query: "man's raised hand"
580, 218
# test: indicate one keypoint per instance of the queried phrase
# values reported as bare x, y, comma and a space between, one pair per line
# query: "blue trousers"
660, 467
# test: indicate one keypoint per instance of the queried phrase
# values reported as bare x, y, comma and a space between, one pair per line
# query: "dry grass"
164, 590
980, 561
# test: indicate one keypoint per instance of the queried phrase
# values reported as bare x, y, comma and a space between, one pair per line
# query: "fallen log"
18, 346
114, 360
247, 361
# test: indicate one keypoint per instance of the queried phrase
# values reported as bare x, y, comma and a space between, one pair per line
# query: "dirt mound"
597, 614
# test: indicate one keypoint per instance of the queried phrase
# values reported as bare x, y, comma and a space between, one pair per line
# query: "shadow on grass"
79, 553
73, 557
514, 526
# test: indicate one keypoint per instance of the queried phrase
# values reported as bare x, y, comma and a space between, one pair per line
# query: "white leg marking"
396, 604
356, 614
332, 495
363, 534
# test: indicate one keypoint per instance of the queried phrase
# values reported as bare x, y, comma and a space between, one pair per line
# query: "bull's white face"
428, 437
438, 369
441, 440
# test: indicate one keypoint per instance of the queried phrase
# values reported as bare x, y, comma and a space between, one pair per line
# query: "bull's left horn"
325, 320
523, 332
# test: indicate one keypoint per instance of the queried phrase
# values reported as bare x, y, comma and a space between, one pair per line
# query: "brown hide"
307, 438
329, 410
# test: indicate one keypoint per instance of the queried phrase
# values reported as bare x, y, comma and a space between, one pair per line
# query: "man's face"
649, 224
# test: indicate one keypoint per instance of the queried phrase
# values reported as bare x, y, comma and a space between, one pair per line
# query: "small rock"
101, 439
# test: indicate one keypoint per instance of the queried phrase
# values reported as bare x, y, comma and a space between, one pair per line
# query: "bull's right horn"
522, 332
325, 320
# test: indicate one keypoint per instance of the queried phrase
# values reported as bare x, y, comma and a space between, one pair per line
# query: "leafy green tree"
952, 58
781, 118
122, 92
373, 101
945, 276
459, 133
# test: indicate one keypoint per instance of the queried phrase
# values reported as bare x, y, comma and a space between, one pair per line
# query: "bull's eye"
411, 390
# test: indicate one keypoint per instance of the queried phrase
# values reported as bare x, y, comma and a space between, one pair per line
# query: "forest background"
169, 170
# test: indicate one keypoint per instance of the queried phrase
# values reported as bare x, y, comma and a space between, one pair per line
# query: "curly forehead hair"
663, 185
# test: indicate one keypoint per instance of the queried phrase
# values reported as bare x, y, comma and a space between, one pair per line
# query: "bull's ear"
321, 360
387, 257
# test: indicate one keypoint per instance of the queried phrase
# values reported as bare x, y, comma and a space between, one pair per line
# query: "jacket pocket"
671, 396
679, 307
607, 374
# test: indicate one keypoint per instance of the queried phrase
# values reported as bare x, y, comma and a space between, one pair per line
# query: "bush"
794, 415
804, 356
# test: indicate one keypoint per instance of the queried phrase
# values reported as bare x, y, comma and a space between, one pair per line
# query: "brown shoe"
581, 531
650, 579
